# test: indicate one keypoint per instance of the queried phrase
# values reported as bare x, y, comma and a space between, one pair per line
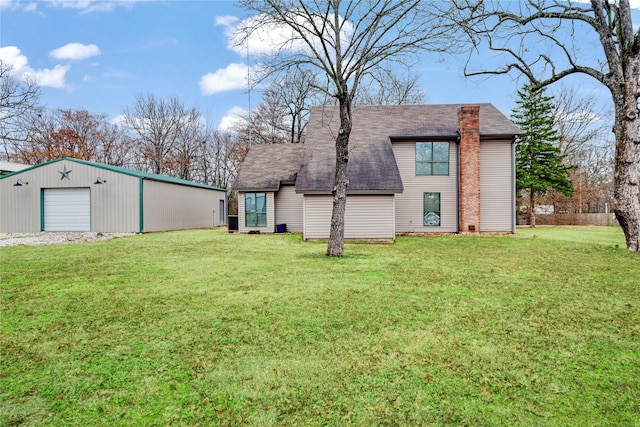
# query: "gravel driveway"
55, 238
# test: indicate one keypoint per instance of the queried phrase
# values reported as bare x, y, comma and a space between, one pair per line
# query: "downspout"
513, 184
458, 183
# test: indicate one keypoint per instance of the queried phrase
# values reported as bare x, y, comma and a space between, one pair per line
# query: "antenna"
249, 124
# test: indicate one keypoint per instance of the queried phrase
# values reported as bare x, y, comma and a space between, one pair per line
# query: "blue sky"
98, 55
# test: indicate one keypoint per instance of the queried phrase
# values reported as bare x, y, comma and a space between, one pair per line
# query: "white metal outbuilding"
76, 195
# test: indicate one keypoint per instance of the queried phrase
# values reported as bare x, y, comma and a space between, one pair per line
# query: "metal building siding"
366, 217
271, 223
168, 206
409, 203
114, 204
496, 186
288, 205
19, 206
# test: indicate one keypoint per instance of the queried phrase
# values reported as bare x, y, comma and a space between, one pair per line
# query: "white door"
67, 209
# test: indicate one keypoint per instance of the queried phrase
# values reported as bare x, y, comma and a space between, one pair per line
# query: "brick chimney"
469, 168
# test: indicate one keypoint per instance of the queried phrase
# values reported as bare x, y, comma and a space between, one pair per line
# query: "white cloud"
275, 37
75, 51
264, 41
83, 6
635, 4
88, 6
52, 77
13, 4
225, 21
8, 4
231, 119
21, 70
233, 77
119, 120
582, 116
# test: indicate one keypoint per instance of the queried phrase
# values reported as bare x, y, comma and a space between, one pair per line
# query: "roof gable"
372, 165
117, 169
266, 166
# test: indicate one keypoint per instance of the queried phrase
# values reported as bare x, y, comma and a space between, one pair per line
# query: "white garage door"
67, 209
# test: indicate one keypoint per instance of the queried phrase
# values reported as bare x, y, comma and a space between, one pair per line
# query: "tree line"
164, 135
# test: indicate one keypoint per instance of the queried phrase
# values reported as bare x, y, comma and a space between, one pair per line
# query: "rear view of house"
412, 169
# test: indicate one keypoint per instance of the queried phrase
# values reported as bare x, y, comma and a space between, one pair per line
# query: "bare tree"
269, 119
161, 129
282, 116
386, 87
267, 124
345, 40
70, 133
114, 145
580, 121
224, 168
17, 101
298, 91
585, 141
549, 40
183, 161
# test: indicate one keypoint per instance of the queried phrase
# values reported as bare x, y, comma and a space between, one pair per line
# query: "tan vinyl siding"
409, 203
114, 204
288, 205
496, 188
177, 207
317, 216
366, 217
271, 224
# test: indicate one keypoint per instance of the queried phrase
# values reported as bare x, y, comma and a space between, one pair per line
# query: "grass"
206, 328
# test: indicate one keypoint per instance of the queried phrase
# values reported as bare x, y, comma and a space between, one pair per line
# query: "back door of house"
67, 209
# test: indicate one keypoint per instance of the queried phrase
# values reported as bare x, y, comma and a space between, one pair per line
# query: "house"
7, 168
76, 195
412, 169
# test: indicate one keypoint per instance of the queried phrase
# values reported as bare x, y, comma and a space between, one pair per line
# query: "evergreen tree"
539, 164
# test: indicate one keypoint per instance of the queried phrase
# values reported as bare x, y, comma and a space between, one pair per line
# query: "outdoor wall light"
100, 181
20, 183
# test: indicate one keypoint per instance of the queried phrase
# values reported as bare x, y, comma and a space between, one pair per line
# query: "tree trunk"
336, 234
627, 205
532, 207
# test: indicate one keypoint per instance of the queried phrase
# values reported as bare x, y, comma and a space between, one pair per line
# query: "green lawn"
207, 328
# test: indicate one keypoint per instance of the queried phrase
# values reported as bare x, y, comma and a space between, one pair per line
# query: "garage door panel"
67, 209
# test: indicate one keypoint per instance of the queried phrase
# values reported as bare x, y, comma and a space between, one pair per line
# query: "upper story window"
432, 158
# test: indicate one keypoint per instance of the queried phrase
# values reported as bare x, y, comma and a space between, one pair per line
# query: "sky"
99, 55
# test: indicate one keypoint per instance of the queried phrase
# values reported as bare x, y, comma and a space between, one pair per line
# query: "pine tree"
539, 164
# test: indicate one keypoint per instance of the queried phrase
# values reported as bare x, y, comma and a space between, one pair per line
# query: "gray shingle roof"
372, 166
437, 120
266, 166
